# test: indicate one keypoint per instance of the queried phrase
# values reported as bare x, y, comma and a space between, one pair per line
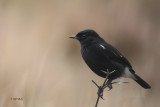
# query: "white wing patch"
121, 56
102, 46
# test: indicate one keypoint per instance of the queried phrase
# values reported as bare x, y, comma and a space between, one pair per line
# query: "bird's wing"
112, 53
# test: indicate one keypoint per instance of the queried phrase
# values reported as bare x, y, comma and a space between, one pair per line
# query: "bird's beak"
73, 36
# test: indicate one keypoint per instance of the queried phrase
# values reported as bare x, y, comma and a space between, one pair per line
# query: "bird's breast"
94, 59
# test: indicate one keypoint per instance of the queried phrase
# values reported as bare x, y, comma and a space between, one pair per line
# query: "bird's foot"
109, 86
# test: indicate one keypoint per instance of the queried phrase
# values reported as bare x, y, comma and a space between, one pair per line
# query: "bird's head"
86, 36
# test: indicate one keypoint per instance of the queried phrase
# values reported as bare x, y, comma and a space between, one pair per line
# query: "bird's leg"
101, 88
108, 83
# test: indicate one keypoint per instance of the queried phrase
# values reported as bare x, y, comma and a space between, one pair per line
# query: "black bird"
101, 56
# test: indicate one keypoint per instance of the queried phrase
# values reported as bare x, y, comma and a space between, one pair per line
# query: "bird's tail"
141, 82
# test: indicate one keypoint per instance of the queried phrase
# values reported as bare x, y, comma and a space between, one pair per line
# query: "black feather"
101, 56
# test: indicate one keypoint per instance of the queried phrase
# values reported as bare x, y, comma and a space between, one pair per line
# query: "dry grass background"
39, 63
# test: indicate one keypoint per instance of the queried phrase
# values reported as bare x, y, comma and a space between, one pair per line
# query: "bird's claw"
109, 86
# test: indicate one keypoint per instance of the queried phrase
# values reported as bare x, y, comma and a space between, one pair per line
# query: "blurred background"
43, 67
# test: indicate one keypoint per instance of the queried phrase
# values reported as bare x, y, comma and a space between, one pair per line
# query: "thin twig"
105, 84
97, 101
101, 88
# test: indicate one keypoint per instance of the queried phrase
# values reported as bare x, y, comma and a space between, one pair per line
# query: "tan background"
39, 63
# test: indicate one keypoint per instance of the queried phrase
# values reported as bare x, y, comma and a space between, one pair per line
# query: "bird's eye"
83, 36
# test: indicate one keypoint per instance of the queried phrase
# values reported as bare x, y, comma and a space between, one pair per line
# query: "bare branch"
101, 88
106, 83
